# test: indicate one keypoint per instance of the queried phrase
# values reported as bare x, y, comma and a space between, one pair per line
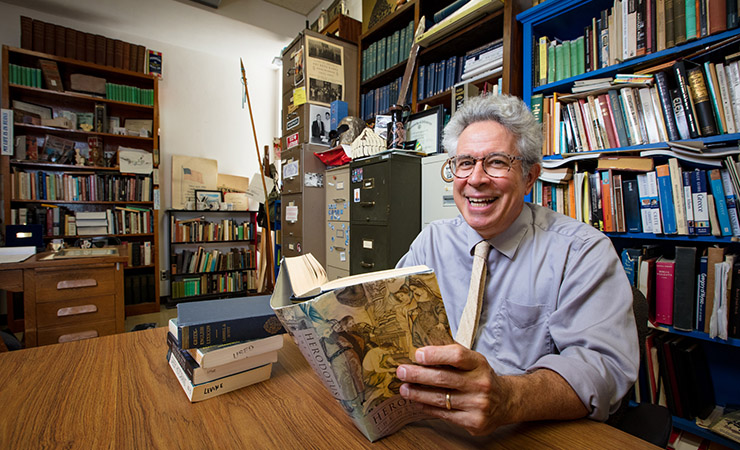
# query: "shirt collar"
507, 242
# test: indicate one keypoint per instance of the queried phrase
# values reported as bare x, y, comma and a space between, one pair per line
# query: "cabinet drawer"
75, 311
65, 284
78, 332
369, 249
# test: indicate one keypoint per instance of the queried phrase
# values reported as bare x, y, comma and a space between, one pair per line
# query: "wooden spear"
268, 246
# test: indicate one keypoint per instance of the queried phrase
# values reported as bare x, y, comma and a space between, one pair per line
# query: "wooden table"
118, 392
67, 299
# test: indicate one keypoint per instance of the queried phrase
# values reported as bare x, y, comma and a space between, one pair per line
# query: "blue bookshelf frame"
566, 19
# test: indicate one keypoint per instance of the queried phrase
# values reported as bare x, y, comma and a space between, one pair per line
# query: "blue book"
630, 261
420, 85
216, 322
701, 293
720, 202
700, 202
731, 201
441, 67
665, 194
431, 76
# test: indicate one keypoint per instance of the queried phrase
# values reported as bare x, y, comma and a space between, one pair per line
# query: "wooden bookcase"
141, 188
566, 20
194, 230
495, 25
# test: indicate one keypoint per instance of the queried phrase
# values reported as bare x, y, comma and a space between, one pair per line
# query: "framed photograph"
208, 200
425, 127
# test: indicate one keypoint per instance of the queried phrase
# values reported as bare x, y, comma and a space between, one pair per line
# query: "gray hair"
510, 112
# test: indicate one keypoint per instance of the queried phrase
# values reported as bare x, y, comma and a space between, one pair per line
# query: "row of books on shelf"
668, 200
440, 76
215, 283
60, 221
138, 253
24, 76
627, 30
688, 287
379, 100
58, 40
219, 346
202, 260
75, 187
138, 288
201, 230
674, 373
130, 94
387, 51
697, 101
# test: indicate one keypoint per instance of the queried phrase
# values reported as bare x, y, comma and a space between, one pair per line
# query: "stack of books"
91, 223
483, 61
218, 346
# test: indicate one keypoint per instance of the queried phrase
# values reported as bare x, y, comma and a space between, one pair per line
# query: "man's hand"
481, 400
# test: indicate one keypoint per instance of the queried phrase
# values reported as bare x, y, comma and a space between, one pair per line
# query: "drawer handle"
73, 284
339, 200
75, 310
367, 204
78, 336
367, 265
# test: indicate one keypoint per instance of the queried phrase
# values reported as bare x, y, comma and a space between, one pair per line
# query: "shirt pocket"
522, 333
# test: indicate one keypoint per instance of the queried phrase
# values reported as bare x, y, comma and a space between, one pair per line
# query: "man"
317, 128
556, 338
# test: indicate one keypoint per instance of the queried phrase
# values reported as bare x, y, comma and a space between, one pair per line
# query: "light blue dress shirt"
556, 297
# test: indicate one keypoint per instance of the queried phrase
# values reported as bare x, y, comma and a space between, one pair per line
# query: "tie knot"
482, 248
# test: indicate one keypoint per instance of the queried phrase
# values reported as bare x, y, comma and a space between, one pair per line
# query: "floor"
159, 319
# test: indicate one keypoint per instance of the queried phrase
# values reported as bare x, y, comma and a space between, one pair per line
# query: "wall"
200, 97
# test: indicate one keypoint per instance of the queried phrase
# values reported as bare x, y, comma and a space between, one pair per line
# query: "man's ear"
534, 173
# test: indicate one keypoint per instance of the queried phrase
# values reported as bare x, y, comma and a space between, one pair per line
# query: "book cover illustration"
355, 336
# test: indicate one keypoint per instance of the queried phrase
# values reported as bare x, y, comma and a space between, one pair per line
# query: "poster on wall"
297, 58
324, 71
190, 174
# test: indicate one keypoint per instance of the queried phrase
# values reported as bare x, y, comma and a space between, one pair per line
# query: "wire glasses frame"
495, 165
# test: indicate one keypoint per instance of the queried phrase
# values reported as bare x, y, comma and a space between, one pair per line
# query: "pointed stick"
268, 246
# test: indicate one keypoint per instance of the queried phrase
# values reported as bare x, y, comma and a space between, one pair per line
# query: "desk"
118, 392
67, 299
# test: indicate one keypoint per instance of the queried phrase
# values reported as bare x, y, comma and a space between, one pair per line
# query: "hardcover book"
684, 288
358, 329
212, 322
664, 288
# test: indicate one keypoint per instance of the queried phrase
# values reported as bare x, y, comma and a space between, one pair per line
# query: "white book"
659, 117
724, 92
679, 204
645, 215
220, 386
625, 28
629, 102
90, 215
733, 77
648, 113
631, 33
204, 375
652, 192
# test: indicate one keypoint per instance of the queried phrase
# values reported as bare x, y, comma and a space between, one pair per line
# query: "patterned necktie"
466, 330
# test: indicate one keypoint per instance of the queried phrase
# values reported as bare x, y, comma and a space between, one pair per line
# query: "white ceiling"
302, 7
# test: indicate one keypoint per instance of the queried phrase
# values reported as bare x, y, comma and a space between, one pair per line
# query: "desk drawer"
76, 311
52, 285
57, 335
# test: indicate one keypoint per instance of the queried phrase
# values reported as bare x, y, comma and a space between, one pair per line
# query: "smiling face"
490, 205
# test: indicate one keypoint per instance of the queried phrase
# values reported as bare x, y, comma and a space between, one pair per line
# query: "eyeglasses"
495, 165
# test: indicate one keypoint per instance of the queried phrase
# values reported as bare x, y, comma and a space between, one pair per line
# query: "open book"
356, 330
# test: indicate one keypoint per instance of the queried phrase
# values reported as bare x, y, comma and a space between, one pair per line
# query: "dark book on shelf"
684, 291
666, 105
731, 11
679, 21
617, 114
70, 49
38, 36
90, 47
49, 38
702, 102
214, 322
682, 82
81, 44
733, 320
26, 33
698, 386
631, 197
60, 38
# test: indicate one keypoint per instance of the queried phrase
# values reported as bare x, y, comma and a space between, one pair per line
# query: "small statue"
79, 159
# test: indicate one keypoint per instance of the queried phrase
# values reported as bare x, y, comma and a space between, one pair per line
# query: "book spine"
667, 106
664, 286
700, 203
684, 288
701, 293
186, 362
679, 69
720, 202
724, 94
224, 332
688, 200
731, 201
702, 102
665, 193
679, 202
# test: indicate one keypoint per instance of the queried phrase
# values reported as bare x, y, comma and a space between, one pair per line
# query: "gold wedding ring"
448, 401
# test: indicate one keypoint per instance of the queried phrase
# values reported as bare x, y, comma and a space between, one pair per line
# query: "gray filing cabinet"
302, 203
437, 201
385, 209
337, 222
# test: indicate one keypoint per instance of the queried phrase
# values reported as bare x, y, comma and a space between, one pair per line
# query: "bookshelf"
498, 24
565, 21
212, 254
38, 181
